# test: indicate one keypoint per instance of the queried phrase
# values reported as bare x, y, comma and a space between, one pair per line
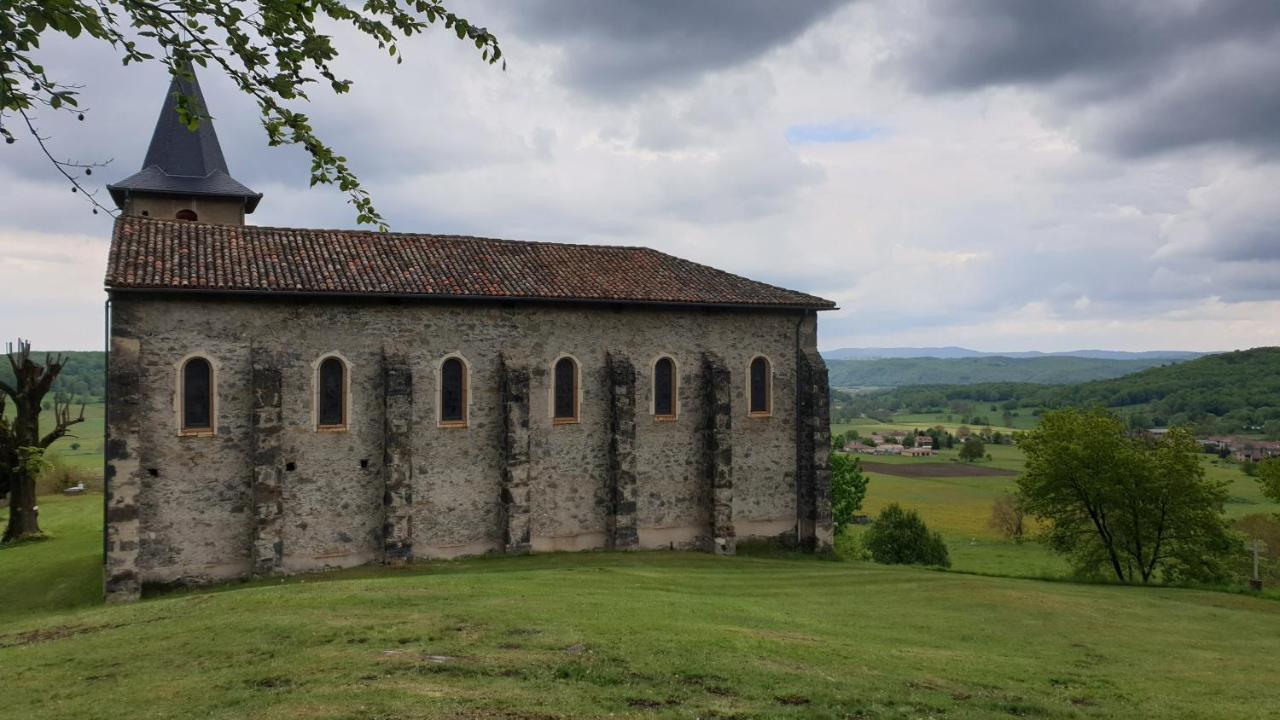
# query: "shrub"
900, 537
58, 476
1007, 517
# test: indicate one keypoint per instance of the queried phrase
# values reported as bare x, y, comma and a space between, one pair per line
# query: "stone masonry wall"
268, 492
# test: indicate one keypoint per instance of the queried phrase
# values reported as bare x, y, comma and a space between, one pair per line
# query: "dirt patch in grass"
932, 470
57, 632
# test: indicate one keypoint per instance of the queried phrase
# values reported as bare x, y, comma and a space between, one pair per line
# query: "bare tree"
24, 443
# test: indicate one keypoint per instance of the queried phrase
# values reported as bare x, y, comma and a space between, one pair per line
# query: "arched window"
664, 389
197, 396
564, 394
453, 392
761, 387
331, 395
188, 215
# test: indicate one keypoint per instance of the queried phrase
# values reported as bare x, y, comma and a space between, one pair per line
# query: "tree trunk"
23, 513
23, 520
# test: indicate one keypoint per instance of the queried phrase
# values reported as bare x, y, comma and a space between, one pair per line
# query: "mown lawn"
64, 571
628, 635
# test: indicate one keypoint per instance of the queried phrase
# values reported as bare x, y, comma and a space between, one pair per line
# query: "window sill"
331, 428
665, 418
564, 421
453, 424
201, 432
760, 415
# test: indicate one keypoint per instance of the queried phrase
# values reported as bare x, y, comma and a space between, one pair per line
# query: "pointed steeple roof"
181, 161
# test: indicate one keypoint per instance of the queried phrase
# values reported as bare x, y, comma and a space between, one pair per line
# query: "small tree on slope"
24, 446
1119, 506
848, 488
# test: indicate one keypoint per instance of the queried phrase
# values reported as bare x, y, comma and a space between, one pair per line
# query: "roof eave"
470, 298
119, 193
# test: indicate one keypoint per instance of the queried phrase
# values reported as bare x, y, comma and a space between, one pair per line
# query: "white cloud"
975, 217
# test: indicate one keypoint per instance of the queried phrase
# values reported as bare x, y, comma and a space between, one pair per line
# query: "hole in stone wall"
153, 472
364, 463
291, 466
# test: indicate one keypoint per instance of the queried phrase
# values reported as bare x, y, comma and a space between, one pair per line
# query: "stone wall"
268, 492
219, 211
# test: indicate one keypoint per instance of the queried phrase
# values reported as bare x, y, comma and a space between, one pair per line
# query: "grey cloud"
1137, 78
617, 48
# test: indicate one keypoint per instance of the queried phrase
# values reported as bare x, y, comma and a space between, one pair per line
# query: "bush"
58, 476
900, 537
1007, 517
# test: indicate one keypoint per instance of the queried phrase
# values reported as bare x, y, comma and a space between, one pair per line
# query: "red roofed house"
283, 400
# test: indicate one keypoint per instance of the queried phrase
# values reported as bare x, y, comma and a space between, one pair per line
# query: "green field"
959, 507
646, 635
88, 435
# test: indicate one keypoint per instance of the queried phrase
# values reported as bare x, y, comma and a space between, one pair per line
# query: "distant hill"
972, 370
82, 376
952, 352
1226, 392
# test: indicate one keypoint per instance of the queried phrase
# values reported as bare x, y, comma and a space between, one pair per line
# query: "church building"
283, 400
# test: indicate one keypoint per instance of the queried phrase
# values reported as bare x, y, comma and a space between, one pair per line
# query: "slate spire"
182, 162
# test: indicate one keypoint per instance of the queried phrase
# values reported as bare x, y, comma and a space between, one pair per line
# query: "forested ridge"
896, 372
82, 377
1227, 392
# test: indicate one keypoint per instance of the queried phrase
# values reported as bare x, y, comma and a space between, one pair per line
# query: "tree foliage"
1008, 517
972, 449
848, 489
274, 52
1267, 474
900, 537
1138, 510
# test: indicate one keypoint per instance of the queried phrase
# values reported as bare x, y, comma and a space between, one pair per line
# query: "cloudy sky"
998, 174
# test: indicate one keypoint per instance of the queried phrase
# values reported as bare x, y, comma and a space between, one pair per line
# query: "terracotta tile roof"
160, 254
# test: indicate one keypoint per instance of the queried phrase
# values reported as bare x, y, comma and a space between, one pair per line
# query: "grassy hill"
894, 372
1227, 392
653, 635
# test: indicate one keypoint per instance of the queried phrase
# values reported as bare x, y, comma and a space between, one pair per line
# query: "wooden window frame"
768, 388
346, 394
466, 393
675, 390
180, 397
577, 392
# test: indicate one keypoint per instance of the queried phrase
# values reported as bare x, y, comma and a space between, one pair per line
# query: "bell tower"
184, 176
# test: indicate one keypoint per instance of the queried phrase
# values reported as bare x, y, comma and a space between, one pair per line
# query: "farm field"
645, 634
959, 506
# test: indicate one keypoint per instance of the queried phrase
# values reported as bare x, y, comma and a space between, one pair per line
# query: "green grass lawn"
62, 572
649, 634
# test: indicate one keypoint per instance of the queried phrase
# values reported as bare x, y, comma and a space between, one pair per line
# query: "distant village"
908, 444
1241, 448
925, 443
